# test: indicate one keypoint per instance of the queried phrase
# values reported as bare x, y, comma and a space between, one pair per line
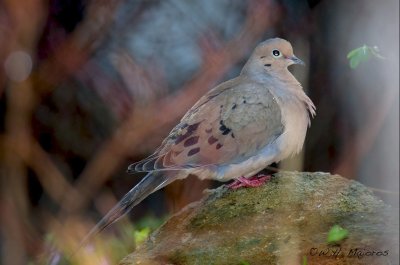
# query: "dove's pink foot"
252, 182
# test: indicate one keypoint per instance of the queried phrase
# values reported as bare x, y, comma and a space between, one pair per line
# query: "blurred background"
86, 87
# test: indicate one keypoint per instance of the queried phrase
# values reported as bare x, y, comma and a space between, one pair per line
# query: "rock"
283, 222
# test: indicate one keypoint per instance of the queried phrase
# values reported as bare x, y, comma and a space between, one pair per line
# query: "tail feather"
152, 182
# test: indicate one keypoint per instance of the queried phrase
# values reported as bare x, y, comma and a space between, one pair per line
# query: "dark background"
86, 87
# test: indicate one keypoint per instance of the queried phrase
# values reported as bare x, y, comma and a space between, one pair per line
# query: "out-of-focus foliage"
336, 234
141, 235
362, 54
106, 248
304, 261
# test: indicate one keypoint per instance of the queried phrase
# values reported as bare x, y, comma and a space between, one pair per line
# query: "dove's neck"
281, 83
260, 74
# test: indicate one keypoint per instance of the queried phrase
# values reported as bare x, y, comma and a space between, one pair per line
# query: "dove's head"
272, 55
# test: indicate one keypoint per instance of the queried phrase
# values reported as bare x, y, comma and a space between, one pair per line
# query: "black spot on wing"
212, 140
218, 146
191, 141
190, 129
193, 127
181, 138
194, 151
225, 130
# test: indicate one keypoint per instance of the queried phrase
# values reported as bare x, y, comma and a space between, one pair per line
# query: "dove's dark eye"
276, 53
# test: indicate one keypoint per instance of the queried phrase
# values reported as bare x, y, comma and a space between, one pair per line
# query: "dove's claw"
252, 182
236, 184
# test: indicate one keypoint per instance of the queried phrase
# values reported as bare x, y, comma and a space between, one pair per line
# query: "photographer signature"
337, 252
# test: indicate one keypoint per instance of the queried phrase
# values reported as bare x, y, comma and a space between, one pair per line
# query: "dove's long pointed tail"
152, 182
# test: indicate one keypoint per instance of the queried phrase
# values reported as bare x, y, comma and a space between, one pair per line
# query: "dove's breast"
295, 118
283, 124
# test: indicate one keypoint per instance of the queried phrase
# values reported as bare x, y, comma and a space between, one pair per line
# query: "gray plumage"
236, 129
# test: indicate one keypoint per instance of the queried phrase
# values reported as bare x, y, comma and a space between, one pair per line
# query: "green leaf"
141, 235
304, 260
243, 262
354, 62
355, 52
337, 234
362, 54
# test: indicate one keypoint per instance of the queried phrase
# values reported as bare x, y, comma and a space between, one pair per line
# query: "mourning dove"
233, 132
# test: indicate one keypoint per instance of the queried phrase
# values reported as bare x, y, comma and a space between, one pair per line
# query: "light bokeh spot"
18, 66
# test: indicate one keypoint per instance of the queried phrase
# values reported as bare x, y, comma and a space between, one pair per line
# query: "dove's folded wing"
229, 124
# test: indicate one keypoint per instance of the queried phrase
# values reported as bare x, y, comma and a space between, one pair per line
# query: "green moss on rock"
277, 223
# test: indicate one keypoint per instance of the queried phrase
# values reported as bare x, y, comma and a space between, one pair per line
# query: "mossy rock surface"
283, 222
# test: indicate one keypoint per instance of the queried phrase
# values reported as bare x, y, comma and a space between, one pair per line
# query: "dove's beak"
296, 60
